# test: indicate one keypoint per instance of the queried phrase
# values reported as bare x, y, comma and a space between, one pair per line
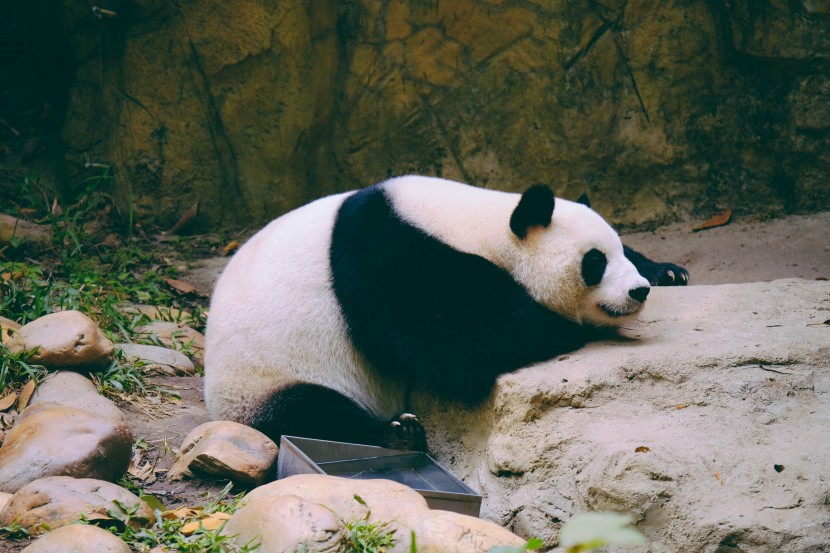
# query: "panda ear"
583, 199
535, 209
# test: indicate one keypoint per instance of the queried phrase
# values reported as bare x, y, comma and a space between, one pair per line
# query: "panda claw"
406, 432
670, 273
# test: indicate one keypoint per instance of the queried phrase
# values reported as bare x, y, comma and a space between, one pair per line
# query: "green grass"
82, 271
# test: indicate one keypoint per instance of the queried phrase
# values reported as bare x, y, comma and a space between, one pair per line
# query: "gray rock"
75, 390
176, 336
225, 449
706, 419
64, 340
311, 509
78, 538
51, 440
60, 500
159, 360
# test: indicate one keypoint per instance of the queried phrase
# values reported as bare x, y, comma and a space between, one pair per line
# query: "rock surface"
7, 328
78, 538
706, 419
64, 340
75, 390
175, 336
257, 107
61, 500
313, 508
57, 440
159, 360
225, 449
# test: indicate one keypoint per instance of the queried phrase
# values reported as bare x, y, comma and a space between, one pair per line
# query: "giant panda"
324, 319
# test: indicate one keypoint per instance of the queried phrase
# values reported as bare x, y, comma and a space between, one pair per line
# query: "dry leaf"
25, 395
718, 476
683, 406
180, 286
180, 513
190, 527
185, 220
642, 449
716, 221
97, 515
231, 247
8, 401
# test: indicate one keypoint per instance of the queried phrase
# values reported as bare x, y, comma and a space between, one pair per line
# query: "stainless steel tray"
417, 470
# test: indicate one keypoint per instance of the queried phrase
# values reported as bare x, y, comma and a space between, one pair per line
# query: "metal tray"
417, 470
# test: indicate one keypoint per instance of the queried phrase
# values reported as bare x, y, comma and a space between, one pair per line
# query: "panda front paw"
668, 274
406, 432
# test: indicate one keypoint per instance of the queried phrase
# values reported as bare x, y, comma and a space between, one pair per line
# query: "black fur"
658, 274
535, 209
426, 313
593, 267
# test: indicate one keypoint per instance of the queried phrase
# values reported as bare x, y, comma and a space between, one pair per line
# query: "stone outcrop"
78, 538
706, 419
57, 440
61, 500
158, 360
64, 340
257, 107
226, 449
75, 390
313, 509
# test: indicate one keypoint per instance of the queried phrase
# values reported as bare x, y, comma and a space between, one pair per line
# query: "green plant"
15, 368
368, 537
588, 531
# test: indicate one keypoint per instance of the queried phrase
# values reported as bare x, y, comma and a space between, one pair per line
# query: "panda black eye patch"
593, 267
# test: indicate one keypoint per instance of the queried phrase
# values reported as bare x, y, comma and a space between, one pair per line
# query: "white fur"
274, 318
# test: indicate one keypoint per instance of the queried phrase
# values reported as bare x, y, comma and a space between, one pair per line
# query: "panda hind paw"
669, 274
406, 432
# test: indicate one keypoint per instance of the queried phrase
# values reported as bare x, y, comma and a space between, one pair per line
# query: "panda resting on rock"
326, 317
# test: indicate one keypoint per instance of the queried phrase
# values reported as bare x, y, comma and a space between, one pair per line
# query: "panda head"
572, 261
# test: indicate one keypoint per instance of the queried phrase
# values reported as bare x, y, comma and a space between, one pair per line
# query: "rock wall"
655, 108
706, 419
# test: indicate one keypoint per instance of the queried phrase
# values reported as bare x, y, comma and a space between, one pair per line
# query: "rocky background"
657, 109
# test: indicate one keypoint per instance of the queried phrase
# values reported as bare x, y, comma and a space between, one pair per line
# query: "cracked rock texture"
706, 419
256, 107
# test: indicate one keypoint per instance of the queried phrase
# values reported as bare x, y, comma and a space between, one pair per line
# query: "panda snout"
639, 294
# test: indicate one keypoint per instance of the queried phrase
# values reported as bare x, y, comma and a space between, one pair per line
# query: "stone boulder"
60, 500
226, 449
706, 419
176, 336
78, 538
157, 360
75, 390
56, 440
7, 328
64, 340
313, 509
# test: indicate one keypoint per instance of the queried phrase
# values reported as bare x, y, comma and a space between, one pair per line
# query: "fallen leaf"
25, 395
97, 515
185, 220
180, 513
642, 449
190, 528
231, 247
180, 286
716, 221
681, 406
718, 476
8, 401
221, 516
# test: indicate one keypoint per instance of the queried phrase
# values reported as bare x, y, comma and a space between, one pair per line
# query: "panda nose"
639, 294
